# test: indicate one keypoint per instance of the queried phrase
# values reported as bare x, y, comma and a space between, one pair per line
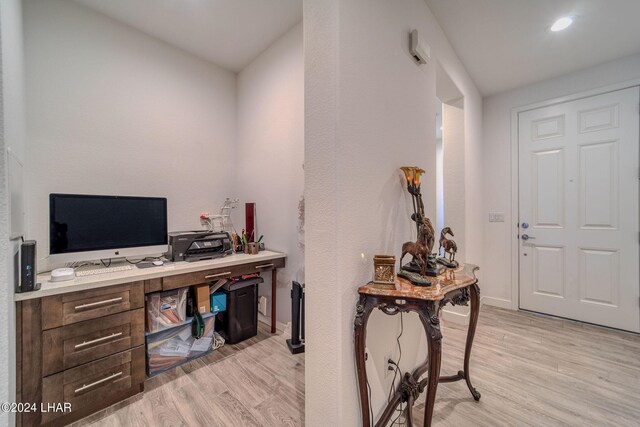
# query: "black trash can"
241, 317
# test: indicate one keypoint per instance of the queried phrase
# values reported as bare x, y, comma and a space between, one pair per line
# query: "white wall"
11, 136
113, 111
270, 153
368, 110
500, 238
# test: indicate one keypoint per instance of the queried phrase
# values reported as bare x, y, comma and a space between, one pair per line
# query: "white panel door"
578, 206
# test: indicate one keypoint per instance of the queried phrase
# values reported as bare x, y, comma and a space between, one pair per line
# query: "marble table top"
450, 280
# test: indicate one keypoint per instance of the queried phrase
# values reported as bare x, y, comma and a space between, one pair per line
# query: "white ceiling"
507, 43
229, 33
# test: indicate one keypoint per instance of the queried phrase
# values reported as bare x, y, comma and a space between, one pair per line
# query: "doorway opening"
450, 154
439, 169
450, 171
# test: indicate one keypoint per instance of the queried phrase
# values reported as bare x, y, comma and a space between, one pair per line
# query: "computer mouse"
158, 262
62, 274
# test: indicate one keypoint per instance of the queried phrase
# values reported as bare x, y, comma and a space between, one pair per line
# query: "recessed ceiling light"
562, 23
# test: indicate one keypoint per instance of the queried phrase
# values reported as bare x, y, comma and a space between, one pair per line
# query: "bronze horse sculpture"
449, 245
419, 252
421, 249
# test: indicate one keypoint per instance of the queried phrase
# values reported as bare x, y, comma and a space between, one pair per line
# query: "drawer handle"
97, 340
95, 383
212, 276
94, 304
264, 266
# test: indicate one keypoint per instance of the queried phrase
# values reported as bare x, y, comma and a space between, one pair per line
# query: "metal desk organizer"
456, 287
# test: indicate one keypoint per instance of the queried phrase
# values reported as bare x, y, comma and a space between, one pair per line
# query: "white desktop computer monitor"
93, 227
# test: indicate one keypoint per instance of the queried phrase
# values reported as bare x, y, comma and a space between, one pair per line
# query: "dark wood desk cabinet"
87, 347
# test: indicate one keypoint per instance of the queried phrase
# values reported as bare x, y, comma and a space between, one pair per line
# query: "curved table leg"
363, 310
409, 413
434, 342
473, 321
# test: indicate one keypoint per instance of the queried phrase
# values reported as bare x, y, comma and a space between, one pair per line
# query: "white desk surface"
109, 279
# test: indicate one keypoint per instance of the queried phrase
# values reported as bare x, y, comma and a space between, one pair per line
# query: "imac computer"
89, 227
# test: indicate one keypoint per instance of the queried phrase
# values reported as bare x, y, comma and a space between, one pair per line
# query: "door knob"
525, 225
526, 237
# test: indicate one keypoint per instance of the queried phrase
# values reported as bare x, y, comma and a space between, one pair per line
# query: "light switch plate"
496, 216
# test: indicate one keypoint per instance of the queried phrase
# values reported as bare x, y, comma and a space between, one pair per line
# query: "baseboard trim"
282, 327
458, 318
496, 302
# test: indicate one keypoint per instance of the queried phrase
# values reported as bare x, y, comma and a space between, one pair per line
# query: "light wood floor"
257, 382
532, 370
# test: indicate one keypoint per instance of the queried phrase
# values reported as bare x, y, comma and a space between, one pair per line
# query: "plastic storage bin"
172, 347
218, 302
241, 317
166, 309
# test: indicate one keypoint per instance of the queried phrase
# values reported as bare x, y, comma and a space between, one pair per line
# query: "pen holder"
245, 248
253, 248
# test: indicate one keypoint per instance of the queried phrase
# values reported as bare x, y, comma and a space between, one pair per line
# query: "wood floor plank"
273, 412
164, 413
232, 412
240, 383
206, 381
194, 406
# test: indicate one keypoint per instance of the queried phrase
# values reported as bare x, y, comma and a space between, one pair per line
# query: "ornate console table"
455, 286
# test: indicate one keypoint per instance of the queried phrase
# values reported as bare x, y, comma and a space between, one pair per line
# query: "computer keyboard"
81, 273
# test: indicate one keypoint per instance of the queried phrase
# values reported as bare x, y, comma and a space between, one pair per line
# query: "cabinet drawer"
92, 384
152, 285
61, 310
196, 278
73, 345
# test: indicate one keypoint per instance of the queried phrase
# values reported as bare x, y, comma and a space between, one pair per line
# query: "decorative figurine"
449, 247
423, 263
221, 221
419, 252
384, 269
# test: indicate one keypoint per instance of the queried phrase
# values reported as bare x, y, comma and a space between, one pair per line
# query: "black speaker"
296, 343
28, 271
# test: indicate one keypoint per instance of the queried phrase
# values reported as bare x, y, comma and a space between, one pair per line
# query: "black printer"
198, 245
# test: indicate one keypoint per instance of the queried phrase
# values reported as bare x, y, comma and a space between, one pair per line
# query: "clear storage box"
175, 346
166, 309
